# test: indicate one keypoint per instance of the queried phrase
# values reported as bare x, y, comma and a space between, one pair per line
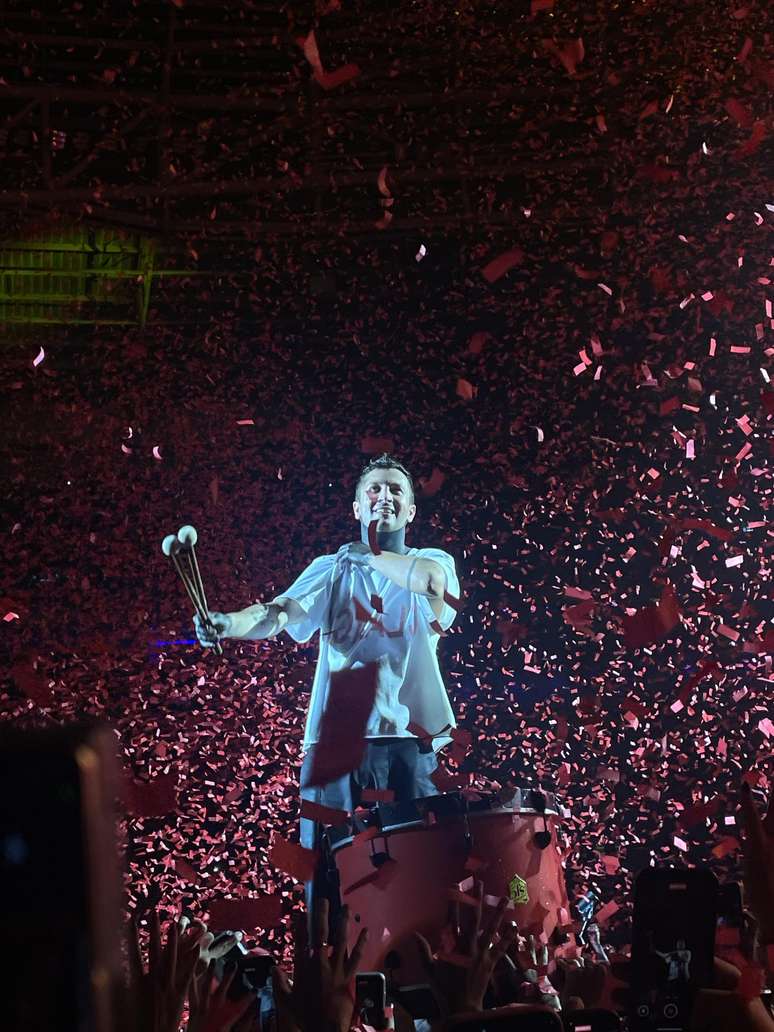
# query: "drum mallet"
171, 547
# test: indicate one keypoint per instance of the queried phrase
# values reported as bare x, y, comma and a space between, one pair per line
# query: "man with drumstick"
341, 595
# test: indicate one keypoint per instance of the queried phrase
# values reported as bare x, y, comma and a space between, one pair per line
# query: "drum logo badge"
517, 890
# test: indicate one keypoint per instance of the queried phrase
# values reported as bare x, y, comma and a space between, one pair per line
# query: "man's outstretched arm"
265, 620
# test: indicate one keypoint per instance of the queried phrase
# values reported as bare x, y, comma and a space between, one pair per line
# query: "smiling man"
370, 609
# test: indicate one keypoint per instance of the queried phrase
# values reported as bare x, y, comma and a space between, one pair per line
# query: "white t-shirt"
336, 595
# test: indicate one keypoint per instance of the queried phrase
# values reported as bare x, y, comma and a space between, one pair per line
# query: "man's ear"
356, 510
411, 513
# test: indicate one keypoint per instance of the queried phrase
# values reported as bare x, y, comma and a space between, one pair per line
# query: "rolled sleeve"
452, 587
311, 590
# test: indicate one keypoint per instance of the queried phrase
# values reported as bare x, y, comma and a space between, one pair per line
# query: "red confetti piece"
433, 485
499, 266
341, 744
247, 913
373, 542
328, 80
465, 389
653, 623
605, 912
323, 814
156, 798
752, 982
186, 871
377, 795
31, 682
376, 445
438, 629
292, 858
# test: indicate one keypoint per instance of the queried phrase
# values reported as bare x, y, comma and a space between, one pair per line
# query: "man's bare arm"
265, 620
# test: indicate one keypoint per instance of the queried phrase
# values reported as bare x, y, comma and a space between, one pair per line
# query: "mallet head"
170, 545
187, 536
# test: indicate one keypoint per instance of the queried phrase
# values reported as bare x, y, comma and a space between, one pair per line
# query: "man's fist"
217, 627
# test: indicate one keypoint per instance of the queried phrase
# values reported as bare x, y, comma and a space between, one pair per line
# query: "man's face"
385, 495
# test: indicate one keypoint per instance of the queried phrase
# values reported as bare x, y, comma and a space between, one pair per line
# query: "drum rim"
387, 828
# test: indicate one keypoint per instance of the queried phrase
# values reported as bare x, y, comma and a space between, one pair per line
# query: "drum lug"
542, 839
379, 859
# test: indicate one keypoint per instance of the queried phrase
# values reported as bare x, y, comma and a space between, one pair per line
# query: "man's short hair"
384, 461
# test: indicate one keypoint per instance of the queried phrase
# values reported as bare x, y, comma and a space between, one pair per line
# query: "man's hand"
356, 552
218, 626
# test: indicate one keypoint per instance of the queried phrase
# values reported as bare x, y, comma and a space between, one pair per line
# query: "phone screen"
526, 1021
371, 996
590, 1021
675, 914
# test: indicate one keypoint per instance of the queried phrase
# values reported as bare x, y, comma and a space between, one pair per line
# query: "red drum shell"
430, 860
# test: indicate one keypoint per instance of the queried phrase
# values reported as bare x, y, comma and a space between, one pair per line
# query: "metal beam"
344, 101
270, 185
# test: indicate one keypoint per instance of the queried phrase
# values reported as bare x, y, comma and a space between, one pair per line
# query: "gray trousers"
396, 763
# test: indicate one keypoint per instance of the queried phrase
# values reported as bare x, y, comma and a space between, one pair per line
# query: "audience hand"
460, 988
156, 998
320, 998
759, 864
211, 1008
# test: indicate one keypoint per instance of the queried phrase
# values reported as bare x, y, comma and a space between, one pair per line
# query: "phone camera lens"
643, 1011
670, 1010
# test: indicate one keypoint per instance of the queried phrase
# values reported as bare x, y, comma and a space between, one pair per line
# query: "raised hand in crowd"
320, 997
460, 982
211, 1009
759, 865
731, 1005
156, 997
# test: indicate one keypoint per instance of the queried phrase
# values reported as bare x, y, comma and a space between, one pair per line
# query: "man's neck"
391, 541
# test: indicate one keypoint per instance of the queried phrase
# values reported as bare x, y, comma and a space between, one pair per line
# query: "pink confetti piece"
157, 452
245, 422
606, 289
10, 615
420, 253
728, 632
39, 357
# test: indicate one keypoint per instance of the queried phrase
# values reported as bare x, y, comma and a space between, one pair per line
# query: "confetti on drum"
577, 372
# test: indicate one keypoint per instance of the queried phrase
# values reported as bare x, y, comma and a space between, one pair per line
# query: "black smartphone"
673, 943
591, 1021
730, 925
371, 997
419, 1001
510, 1019
60, 887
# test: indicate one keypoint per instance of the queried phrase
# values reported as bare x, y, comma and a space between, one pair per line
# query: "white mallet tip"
187, 536
167, 544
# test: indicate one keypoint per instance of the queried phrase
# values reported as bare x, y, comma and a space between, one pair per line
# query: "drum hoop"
406, 825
